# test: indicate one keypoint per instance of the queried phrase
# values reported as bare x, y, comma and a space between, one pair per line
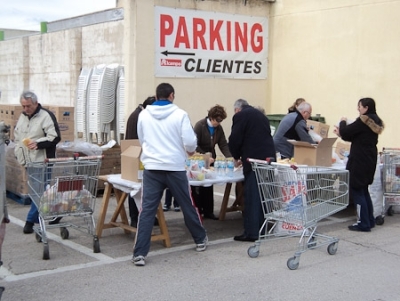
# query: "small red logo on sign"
171, 62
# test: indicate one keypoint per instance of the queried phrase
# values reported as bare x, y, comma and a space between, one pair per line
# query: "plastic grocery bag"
376, 191
294, 199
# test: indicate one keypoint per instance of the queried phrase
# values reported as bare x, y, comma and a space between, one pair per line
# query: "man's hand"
32, 145
237, 162
190, 153
336, 131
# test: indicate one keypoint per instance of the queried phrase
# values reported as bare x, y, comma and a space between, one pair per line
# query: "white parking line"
102, 259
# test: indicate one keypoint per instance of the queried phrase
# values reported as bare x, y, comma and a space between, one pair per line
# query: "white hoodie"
165, 133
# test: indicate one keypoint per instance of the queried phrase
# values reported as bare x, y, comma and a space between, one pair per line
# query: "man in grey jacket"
36, 136
293, 126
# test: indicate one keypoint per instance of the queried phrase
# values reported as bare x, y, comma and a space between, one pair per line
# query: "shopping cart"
391, 179
64, 187
299, 196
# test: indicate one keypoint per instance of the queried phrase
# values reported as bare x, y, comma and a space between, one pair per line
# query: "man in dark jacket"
131, 133
250, 138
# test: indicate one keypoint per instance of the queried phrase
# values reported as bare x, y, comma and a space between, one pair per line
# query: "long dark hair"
370, 103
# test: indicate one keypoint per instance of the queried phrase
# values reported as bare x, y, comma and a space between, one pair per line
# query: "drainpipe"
43, 27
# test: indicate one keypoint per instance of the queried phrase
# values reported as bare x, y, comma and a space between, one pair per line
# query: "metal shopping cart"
299, 196
64, 187
391, 179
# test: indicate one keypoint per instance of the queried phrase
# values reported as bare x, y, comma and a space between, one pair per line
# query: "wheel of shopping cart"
293, 263
253, 251
96, 244
390, 211
38, 237
64, 233
312, 242
46, 251
332, 248
379, 220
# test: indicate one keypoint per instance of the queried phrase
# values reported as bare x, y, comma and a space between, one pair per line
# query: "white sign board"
194, 43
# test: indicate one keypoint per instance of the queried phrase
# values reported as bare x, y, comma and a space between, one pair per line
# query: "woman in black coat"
363, 135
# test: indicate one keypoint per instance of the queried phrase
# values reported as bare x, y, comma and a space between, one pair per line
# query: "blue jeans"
33, 214
365, 210
153, 186
39, 178
253, 216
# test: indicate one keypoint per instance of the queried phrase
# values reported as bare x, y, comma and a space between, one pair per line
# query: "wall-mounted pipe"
43, 27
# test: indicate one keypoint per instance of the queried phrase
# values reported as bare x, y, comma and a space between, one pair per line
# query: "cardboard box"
341, 148
3, 109
320, 128
313, 154
131, 167
63, 113
12, 124
66, 128
67, 137
7, 113
15, 111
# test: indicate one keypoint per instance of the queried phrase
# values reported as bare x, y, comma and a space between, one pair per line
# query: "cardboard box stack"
10, 114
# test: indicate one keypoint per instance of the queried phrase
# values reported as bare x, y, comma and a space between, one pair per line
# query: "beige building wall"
334, 52
331, 52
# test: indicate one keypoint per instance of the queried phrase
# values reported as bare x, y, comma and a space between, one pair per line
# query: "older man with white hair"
36, 136
294, 127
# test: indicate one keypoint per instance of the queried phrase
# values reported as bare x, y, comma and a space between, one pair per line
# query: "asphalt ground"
366, 266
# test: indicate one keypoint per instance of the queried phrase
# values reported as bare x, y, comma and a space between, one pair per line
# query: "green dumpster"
275, 119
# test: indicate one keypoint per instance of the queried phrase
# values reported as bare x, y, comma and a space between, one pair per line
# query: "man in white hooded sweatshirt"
167, 137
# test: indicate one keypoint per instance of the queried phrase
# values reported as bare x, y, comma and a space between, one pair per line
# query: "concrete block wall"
50, 63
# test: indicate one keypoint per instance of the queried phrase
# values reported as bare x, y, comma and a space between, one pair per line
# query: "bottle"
188, 163
216, 165
201, 162
222, 167
230, 167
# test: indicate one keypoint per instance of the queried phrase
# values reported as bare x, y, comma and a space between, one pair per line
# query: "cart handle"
391, 149
267, 160
99, 157
270, 161
75, 157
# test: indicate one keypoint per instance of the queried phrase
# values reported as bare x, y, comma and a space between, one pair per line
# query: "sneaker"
177, 209
203, 246
138, 260
28, 228
55, 221
165, 207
